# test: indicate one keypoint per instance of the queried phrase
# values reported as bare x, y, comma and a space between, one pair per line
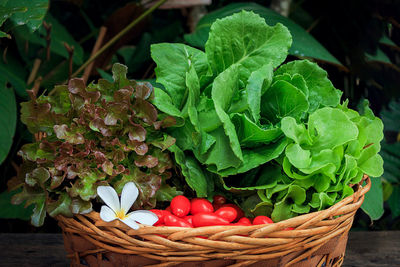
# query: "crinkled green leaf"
304, 44
283, 99
373, 166
208, 118
173, 62
321, 91
84, 188
194, 175
79, 206
37, 177
296, 132
255, 157
250, 134
225, 86
258, 82
282, 211
220, 156
193, 86
60, 207
296, 80
331, 128
245, 39
164, 103
321, 200
33, 196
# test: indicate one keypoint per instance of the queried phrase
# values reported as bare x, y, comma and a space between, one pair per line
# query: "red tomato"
288, 229
245, 221
228, 213
180, 206
160, 214
218, 199
172, 220
200, 205
208, 219
239, 211
169, 209
262, 220
189, 219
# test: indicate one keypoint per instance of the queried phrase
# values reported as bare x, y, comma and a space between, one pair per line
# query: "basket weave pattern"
318, 239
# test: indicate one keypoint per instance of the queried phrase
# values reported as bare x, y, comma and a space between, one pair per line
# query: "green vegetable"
105, 133
278, 140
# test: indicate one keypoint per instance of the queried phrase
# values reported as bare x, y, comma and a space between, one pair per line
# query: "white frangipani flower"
116, 210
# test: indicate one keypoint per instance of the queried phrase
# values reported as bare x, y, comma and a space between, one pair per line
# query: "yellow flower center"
121, 214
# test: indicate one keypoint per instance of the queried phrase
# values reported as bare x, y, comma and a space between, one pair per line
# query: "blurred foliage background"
44, 42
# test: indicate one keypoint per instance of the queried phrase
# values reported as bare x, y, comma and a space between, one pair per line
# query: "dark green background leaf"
373, 202
8, 119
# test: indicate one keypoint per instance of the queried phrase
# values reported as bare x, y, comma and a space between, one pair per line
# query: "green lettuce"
272, 134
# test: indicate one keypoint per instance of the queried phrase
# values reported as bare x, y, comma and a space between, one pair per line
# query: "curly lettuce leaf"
322, 93
283, 99
245, 39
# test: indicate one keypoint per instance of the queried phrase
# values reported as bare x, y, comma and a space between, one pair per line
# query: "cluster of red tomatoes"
199, 212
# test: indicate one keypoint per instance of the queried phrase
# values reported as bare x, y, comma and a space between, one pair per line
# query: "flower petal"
107, 214
109, 196
128, 196
143, 216
130, 222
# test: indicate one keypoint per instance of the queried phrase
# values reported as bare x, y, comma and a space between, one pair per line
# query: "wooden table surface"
366, 249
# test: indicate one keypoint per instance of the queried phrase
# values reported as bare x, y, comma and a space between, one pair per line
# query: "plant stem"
118, 36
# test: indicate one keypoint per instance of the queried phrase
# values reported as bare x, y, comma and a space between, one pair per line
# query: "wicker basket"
319, 239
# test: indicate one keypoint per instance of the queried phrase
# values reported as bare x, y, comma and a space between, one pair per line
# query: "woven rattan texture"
318, 239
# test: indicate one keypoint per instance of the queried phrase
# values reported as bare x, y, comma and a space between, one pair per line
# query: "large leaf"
373, 202
321, 90
304, 44
8, 119
258, 82
220, 155
225, 87
193, 173
165, 103
250, 134
14, 73
24, 12
255, 157
283, 99
331, 128
245, 39
173, 61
